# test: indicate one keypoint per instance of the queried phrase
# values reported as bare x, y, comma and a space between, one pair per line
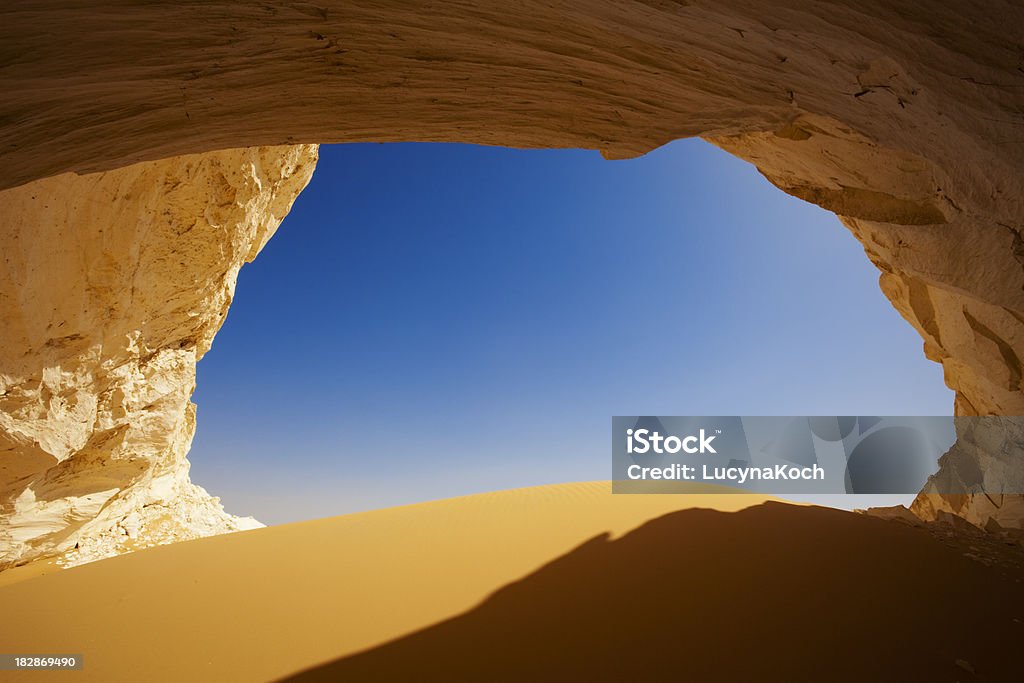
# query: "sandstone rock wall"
905, 118
981, 477
112, 286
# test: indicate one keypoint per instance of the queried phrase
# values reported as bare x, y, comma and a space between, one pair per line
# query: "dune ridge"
500, 586
266, 603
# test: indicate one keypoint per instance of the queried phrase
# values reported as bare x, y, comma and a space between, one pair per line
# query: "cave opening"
477, 314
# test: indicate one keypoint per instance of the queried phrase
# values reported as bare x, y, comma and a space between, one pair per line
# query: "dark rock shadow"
774, 592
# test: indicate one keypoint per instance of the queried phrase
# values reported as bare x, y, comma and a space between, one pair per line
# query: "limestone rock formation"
112, 287
981, 477
903, 118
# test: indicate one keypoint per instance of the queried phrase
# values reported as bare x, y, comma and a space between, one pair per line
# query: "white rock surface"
112, 287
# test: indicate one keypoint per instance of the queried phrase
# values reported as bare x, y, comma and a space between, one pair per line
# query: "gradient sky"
434, 320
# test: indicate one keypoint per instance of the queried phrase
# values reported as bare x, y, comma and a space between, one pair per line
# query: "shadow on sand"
774, 592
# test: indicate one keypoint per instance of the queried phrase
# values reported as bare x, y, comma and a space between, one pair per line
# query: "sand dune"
525, 584
262, 604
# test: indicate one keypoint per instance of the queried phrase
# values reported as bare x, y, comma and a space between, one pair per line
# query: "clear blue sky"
433, 320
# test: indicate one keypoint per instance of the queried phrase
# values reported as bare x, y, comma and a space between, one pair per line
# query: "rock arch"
151, 149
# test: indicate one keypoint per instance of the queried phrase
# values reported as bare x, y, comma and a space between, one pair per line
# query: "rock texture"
981, 477
904, 118
111, 288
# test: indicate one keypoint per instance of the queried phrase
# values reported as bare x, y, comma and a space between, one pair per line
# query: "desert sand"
560, 582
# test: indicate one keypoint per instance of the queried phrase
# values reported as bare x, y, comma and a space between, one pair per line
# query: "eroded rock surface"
981, 477
112, 287
903, 118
